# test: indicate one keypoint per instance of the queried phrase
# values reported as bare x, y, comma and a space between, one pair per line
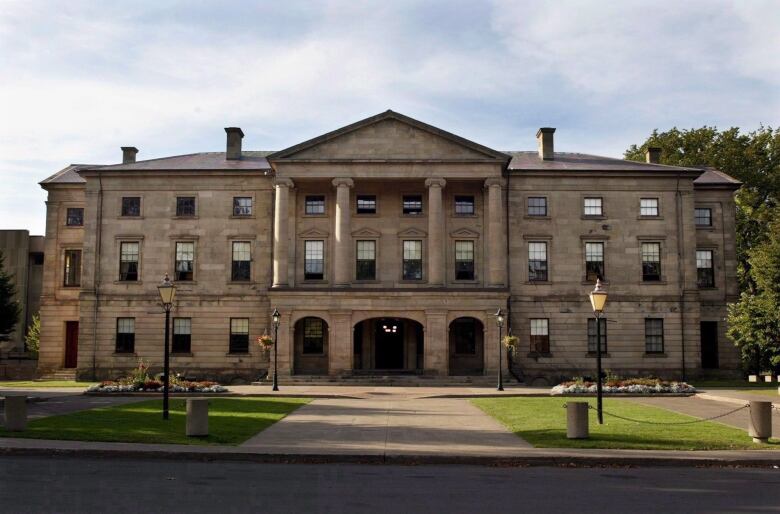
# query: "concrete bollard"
760, 423
15, 413
197, 417
577, 420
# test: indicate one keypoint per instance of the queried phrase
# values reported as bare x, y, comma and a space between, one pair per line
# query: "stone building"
23, 260
387, 246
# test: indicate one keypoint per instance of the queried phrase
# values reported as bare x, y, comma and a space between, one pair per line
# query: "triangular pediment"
412, 232
464, 233
314, 232
366, 232
389, 136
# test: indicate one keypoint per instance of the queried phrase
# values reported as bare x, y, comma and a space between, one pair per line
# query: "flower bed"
648, 386
139, 381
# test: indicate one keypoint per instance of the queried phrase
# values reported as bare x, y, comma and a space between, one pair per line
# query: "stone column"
496, 254
436, 349
340, 343
341, 258
281, 236
436, 265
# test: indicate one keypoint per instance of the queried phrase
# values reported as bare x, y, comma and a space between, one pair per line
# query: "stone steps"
60, 374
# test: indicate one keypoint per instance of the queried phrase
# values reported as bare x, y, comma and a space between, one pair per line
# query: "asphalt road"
65, 484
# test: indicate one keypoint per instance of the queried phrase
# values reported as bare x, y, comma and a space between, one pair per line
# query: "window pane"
412, 260
366, 260
594, 261
654, 335
182, 330
648, 207
464, 205
651, 262
703, 217
537, 262
241, 266
366, 204
242, 206
315, 204
185, 261
185, 206
239, 335
313, 336
125, 335
464, 260
72, 274
128, 261
592, 335
704, 268
540, 338
412, 204
314, 260
131, 206
592, 207
75, 217
537, 206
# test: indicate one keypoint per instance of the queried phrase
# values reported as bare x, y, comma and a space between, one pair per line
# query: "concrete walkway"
52, 403
707, 408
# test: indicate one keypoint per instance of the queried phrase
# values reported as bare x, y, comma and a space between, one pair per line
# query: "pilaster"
436, 268
343, 234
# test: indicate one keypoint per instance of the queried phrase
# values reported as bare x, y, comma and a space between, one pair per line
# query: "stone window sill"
655, 355
538, 282
129, 217
705, 228
650, 217
73, 226
594, 218
237, 354
323, 215
243, 217
653, 282
185, 217
125, 354
708, 288
240, 282
529, 217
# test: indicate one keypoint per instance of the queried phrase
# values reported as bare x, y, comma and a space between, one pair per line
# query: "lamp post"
167, 293
500, 323
598, 299
275, 316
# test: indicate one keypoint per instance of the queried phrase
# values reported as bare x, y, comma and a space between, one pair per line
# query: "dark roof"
250, 160
68, 175
565, 161
716, 178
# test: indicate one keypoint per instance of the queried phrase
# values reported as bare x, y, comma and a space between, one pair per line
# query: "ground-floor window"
412, 260
313, 336
239, 335
540, 335
592, 335
654, 335
125, 335
182, 335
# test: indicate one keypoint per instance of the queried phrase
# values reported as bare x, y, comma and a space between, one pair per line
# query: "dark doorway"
466, 348
709, 344
389, 337
311, 347
71, 344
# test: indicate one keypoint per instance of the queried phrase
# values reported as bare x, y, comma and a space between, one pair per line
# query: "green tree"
9, 308
32, 340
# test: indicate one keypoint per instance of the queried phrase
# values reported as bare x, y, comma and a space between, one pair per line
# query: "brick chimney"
128, 154
234, 137
544, 138
653, 155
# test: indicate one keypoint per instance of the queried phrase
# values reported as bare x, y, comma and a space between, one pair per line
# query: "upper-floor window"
239, 335
128, 261
537, 262
315, 204
125, 335
314, 260
242, 206
593, 207
703, 216
185, 206
366, 204
72, 272
648, 207
131, 206
182, 335
241, 265
592, 335
313, 336
540, 335
594, 261
651, 262
412, 204
185, 261
365, 260
464, 205
705, 272
654, 335
75, 217
537, 206
464, 260
412, 260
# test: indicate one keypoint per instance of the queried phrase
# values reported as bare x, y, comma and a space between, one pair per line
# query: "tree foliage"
9, 307
32, 341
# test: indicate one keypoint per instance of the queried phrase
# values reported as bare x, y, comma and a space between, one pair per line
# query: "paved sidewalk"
709, 407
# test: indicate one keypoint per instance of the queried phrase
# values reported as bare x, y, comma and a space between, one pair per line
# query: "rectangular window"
131, 206
366, 204
540, 336
241, 267
412, 265
412, 204
594, 261
703, 217
314, 260
185, 261
125, 335
315, 204
239, 335
648, 207
537, 206
651, 262
593, 207
242, 206
185, 206
537, 262
464, 260
313, 336
72, 273
654, 335
128, 262
365, 264
464, 205
705, 273
75, 217
182, 335
592, 335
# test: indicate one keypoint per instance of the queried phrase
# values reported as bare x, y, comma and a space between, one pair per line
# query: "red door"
71, 343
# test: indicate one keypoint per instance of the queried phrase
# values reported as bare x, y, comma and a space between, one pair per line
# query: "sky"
79, 79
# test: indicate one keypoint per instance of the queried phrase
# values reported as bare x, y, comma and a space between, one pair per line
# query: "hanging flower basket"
511, 342
266, 342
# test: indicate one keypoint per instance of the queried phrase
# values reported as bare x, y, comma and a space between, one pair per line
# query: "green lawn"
231, 421
542, 422
44, 383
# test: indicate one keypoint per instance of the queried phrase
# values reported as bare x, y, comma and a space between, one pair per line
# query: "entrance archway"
388, 344
311, 347
466, 347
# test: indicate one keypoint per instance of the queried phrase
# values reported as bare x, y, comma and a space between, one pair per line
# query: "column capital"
343, 182
495, 181
435, 182
284, 182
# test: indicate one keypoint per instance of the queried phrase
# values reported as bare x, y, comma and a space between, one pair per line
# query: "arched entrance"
466, 347
388, 344
311, 347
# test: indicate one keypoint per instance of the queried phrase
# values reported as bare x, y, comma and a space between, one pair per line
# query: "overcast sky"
80, 79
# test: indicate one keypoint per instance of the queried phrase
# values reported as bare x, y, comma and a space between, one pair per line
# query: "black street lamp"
500, 322
167, 293
276, 320
598, 299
